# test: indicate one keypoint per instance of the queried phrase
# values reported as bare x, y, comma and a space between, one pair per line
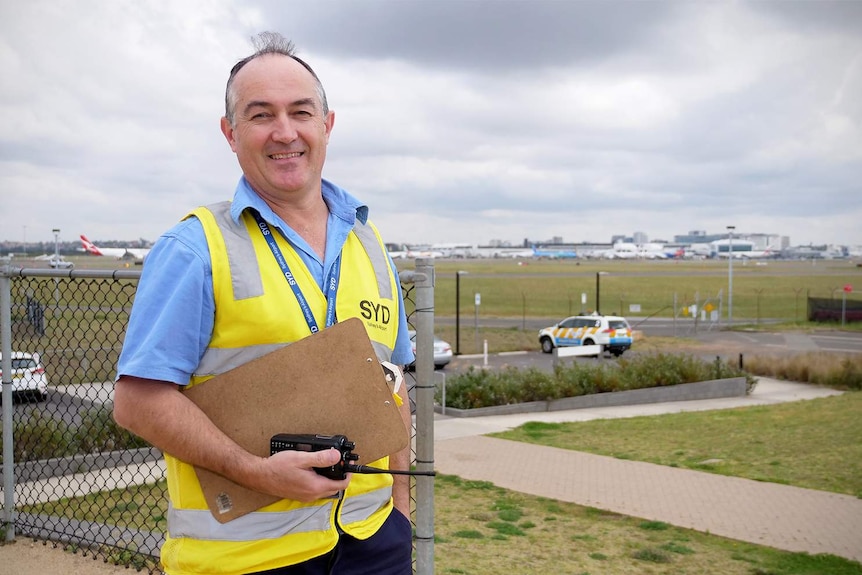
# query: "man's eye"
260, 116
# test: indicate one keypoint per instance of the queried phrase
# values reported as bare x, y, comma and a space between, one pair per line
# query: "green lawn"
815, 444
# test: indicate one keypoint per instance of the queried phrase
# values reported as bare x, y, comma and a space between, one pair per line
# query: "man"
291, 254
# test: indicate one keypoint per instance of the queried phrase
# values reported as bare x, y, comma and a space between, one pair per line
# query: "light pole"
458, 311
730, 275
598, 290
56, 244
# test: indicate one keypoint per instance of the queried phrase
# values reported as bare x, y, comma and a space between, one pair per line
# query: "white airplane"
424, 252
652, 251
622, 251
553, 254
741, 249
631, 251
137, 254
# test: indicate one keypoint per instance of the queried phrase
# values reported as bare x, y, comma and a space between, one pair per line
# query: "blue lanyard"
330, 287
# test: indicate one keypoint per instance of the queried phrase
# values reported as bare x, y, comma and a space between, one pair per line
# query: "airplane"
652, 251
742, 249
554, 254
423, 252
699, 251
630, 251
137, 254
622, 251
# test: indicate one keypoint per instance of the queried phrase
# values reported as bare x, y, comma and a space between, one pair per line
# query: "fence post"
6, 366
425, 387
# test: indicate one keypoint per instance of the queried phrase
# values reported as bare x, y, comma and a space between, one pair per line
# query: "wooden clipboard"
329, 383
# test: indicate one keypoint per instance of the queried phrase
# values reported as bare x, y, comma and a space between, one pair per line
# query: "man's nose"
283, 129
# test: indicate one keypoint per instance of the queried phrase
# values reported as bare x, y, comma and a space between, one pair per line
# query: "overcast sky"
456, 121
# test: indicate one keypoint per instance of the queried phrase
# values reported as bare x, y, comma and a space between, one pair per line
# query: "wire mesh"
81, 480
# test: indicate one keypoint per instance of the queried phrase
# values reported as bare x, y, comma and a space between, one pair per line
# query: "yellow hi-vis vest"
256, 312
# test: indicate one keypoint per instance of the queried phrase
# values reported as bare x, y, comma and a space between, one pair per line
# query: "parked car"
60, 263
28, 376
613, 333
442, 351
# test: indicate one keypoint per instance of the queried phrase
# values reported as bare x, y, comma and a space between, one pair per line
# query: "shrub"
99, 432
841, 371
484, 388
41, 436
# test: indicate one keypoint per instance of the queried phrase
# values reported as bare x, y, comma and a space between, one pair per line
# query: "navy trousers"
387, 552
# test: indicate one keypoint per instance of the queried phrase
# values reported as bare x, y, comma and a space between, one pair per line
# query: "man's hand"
290, 475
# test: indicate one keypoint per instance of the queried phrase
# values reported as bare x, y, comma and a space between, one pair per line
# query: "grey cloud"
472, 119
480, 36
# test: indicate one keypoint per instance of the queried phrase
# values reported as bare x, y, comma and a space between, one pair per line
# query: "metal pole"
598, 274
425, 387
674, 314
6, 366
476, 320
730, 275
458, 313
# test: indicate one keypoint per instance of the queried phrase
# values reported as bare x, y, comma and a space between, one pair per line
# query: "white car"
28, 376
613, 333
60, 263
442, 350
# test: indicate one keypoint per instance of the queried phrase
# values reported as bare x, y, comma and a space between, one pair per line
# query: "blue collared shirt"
172, 317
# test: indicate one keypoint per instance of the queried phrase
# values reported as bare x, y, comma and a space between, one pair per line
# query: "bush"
483, 388
840, 371
99, 433
41, 436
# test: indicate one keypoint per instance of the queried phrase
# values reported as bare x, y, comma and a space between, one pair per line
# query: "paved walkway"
789, 518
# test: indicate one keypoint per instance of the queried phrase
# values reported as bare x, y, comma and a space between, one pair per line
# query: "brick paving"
780, 516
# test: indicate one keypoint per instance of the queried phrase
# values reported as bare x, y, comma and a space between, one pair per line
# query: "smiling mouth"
285, 156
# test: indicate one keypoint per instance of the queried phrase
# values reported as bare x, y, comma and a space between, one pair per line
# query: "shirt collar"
340, 202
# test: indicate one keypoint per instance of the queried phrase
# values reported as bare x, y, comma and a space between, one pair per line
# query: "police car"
613, 333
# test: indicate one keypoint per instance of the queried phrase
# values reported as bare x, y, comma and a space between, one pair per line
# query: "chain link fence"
70, 474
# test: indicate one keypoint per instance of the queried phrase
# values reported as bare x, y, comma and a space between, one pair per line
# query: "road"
710, 341
69, 403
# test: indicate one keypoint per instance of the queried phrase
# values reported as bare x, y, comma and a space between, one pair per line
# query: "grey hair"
268, 43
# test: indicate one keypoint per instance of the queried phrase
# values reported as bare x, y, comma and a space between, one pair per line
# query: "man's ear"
227, 130
329, 123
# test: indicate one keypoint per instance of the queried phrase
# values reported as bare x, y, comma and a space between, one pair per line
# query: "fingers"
327, 457
292, 475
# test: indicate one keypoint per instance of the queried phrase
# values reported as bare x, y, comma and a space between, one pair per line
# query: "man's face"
280, 133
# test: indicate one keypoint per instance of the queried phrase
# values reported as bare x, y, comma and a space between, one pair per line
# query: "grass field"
85, 319
553, 289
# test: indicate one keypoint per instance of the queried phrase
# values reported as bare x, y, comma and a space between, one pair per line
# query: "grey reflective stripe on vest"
220, 360
378, 258
200, 524
383, 352
360, 507
240, 254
